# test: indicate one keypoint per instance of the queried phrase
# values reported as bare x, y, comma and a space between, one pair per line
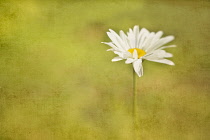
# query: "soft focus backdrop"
57, 81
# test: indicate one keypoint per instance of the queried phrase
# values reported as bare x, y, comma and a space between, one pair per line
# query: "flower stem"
134, 105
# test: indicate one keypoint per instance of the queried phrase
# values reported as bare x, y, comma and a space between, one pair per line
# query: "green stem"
134, 105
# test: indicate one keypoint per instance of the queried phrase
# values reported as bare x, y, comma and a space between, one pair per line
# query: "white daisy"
138, 45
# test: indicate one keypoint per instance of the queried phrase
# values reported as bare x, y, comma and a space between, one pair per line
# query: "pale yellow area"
57, 81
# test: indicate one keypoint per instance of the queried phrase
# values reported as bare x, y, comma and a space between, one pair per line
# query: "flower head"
138, 45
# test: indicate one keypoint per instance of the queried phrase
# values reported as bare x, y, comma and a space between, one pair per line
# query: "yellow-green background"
57, 81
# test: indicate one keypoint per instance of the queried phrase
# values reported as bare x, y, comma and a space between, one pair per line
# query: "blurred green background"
57, 81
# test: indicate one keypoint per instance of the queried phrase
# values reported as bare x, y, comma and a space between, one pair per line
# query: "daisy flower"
138, 45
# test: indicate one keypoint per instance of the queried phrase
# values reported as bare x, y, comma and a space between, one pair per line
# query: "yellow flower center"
140, 52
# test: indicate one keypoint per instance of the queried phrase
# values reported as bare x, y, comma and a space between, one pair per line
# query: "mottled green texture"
57, 81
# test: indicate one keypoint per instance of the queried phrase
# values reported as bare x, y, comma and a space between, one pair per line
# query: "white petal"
131, 39
135, 54
110, 50
118, 39
129, 60
136, 33
137, 65
154, 40
112, 37
130, 31
136, 29
168, 55
119, 53
125, 39
158, 34
163, 41
123, 55
170, 46
128, 54
162, 54
117, 59
158, 54
111, 45
147, 41
115, 40
165, 61
142, 37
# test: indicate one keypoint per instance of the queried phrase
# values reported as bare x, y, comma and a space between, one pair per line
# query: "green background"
57, 81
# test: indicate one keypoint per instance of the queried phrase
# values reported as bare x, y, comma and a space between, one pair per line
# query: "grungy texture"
57, 81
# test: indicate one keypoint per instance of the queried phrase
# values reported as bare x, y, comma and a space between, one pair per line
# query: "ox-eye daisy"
138, 45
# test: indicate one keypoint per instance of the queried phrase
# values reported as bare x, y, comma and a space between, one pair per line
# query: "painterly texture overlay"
57, 81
